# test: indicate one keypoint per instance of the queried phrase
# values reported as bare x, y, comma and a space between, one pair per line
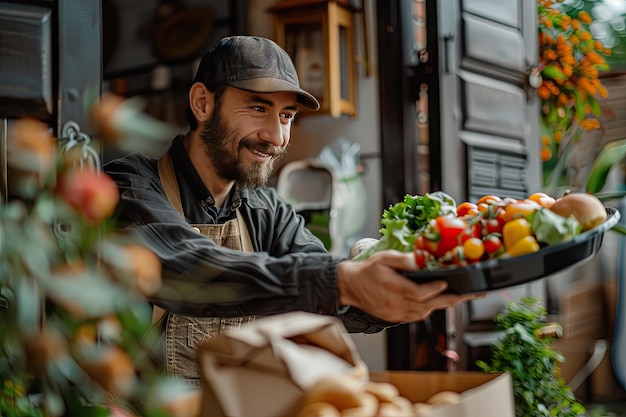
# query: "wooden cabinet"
319, 37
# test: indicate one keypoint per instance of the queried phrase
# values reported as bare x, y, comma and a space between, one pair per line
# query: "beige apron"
183, 334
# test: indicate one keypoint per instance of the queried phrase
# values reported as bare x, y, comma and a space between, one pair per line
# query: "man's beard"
231, 166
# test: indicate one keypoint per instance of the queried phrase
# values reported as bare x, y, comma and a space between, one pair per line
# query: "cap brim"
274, 85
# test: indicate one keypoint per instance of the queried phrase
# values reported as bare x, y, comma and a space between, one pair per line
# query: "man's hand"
374, 286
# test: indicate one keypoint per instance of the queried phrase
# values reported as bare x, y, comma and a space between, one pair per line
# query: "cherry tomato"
493, 244
422, 257
423, 243
474, 248
543, 199
489, 199
473, 230
484, 209
499, 216
420, 242
466, 208
521, 208
493, 226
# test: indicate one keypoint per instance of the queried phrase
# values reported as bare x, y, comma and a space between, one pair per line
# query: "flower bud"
91, 192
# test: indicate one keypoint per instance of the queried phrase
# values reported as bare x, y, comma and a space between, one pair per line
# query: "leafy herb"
403, 220
551, 228
524, 351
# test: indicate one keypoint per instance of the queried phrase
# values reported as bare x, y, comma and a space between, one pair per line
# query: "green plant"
524, 351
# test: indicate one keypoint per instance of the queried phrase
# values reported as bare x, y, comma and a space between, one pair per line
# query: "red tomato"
420, 242
450, 230
493, 244
493, 226
422, 257
458, 256
450, 226
473, 230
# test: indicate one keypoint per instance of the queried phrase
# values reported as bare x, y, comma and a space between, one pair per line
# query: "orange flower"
584, 17
550, 55
544, 92
595, 58
590, 124
585, 84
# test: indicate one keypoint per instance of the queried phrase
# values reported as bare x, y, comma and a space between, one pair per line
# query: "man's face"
247, 133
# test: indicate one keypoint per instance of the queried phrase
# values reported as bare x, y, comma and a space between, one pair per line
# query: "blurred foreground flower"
74, 315
124, 125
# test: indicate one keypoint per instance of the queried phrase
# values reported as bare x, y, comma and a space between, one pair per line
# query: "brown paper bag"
263, 369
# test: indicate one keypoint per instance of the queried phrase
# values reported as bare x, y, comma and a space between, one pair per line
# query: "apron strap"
170, 185
246, 243
168, 180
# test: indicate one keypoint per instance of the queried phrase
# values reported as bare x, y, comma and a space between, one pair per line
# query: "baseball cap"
254, 64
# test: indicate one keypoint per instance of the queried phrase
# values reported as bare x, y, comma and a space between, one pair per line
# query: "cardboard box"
482, 394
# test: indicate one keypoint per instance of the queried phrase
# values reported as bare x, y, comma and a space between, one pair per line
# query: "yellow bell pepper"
514, 230
527, 244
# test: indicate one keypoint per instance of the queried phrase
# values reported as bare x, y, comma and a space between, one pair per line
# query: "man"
230, 248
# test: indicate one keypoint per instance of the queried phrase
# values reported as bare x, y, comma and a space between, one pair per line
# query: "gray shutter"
489, 112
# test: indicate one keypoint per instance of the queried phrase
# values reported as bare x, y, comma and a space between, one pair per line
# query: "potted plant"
524, 351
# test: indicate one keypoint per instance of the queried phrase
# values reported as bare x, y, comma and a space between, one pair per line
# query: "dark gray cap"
254, 64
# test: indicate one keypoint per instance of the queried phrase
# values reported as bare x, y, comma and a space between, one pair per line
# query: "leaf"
554, 73
552, 228
611, 154
579, 106
595, 107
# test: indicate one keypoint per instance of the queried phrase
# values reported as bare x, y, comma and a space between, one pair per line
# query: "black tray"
502, 273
